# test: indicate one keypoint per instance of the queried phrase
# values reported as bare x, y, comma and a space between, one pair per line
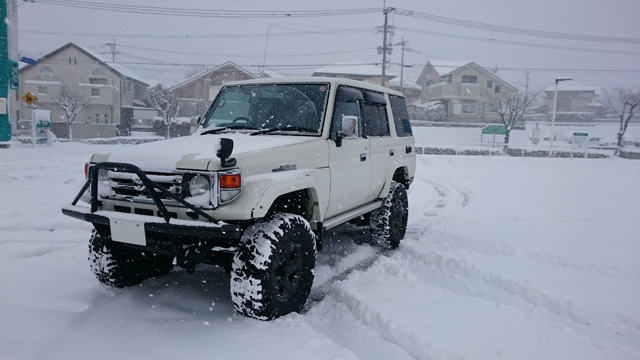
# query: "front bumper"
142, 228
223, 235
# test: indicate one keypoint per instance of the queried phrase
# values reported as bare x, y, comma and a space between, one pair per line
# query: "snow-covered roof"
204, 73
269, 73
114, 65
406, 83
444, 67
430, 104
355, 68
572, 86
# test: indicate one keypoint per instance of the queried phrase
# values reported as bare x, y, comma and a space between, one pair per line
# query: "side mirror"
224, 152
350, 126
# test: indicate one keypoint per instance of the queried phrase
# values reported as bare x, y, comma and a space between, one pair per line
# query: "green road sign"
15, 75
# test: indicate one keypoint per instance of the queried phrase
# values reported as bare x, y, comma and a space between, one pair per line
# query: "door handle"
363, 157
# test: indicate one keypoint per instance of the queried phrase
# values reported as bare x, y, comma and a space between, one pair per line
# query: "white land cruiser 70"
273, 165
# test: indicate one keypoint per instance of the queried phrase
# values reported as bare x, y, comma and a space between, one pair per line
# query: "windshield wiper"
288, 128
237, 127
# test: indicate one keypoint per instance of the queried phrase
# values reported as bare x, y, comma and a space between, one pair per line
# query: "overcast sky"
299, 45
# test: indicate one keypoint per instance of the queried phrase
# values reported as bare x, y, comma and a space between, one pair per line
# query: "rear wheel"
388, 224
119, 267
272, 271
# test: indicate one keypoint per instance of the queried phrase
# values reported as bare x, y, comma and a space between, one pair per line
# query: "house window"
97, 118
468, 109
98, 72
106, 118
489, 84
98, 81
469, 79
46, 69
42, 90
95, 93
128, 86
445, 79
492, 108
497, 89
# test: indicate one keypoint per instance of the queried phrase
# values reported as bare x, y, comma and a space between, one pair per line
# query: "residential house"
409, 88
105, 86
464, 88
197, 92
355, 71
575, 101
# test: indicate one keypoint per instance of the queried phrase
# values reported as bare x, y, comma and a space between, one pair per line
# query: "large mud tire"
119, 267
388, 224
273, 269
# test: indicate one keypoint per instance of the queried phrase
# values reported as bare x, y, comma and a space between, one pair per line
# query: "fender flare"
278, 188
391, 170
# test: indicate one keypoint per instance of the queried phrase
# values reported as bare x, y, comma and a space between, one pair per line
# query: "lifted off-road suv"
272, 166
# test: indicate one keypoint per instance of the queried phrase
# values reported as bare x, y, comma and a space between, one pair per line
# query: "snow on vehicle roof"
334, 81
354, 68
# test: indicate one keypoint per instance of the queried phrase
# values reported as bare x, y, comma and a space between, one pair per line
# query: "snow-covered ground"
505, 258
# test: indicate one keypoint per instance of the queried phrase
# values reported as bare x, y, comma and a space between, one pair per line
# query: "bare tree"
510, 107
626, 103
166, 102
72, 103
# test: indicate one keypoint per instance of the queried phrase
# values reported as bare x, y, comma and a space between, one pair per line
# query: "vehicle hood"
194, 152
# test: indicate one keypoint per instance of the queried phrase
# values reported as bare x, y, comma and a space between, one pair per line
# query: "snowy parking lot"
504, 258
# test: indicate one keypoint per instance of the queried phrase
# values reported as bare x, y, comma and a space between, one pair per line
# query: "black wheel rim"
287, 272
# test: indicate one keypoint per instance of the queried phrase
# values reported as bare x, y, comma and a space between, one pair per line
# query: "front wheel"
388, 224
119, 267
273, 269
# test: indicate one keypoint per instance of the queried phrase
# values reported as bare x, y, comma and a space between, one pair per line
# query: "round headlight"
198, 185
103, 176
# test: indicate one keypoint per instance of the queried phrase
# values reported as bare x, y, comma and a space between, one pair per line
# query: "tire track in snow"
456, 275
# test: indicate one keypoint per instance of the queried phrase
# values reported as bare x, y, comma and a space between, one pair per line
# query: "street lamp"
553, 118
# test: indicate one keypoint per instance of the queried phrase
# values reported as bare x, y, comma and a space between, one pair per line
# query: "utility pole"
385, 48
403, 44
266, 43
113, 50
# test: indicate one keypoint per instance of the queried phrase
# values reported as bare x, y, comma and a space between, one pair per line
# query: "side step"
343, 218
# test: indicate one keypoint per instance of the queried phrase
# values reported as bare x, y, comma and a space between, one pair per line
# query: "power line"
294, 32
518, 43
513, 30
246, 56
156, 10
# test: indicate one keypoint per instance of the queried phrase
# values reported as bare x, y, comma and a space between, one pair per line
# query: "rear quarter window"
400, 116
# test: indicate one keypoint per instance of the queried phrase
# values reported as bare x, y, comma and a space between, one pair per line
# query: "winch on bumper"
190, 242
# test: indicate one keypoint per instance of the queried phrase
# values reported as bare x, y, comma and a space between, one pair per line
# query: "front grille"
128, 185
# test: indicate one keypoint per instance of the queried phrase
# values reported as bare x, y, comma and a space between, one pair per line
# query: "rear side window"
400, 116
375, 114
375, 120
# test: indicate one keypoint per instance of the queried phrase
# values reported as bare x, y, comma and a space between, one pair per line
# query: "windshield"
274, 107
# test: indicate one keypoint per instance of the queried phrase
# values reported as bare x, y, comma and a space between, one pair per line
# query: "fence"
522, 150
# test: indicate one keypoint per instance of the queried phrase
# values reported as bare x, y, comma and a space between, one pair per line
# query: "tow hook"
190, 256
